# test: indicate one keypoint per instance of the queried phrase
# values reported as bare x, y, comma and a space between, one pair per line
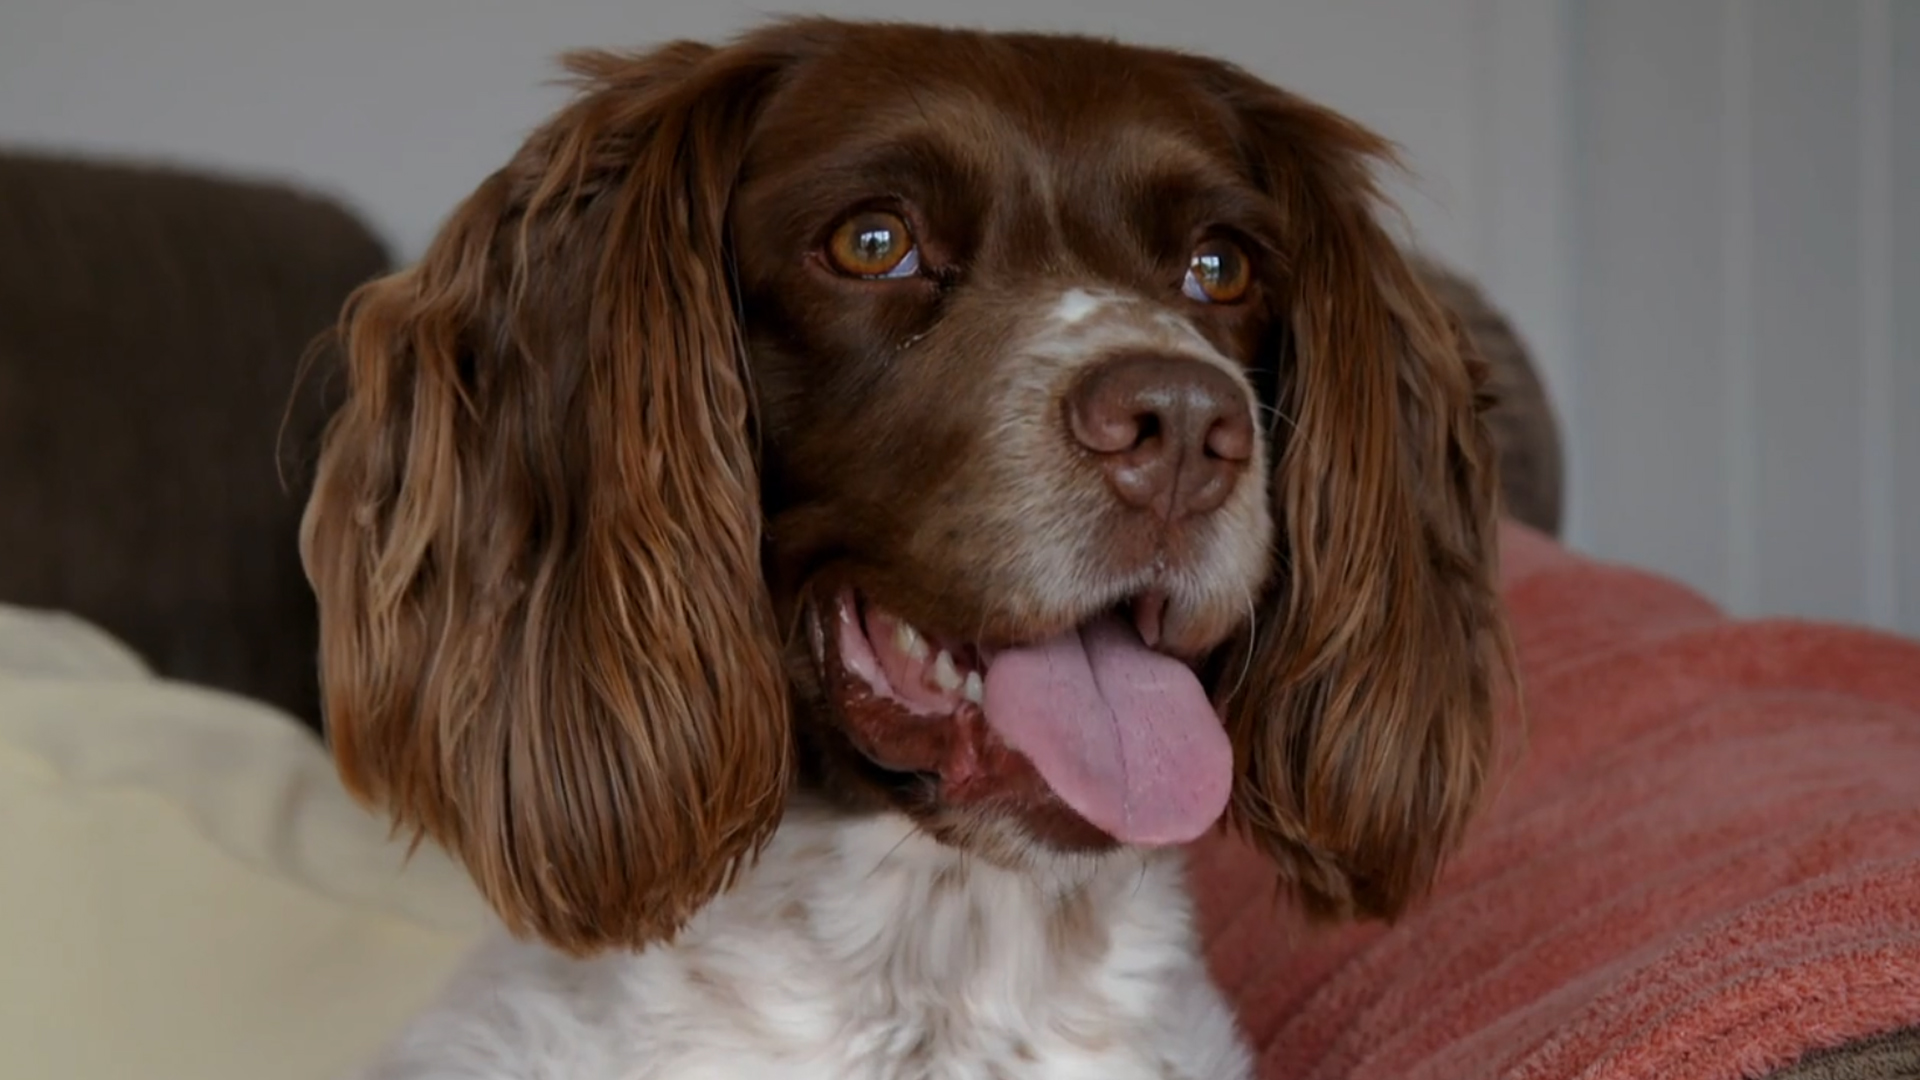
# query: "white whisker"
1253, 642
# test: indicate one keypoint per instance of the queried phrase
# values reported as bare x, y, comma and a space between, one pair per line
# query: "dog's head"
1035, 435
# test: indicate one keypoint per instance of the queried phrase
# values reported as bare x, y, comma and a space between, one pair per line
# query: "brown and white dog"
824, 523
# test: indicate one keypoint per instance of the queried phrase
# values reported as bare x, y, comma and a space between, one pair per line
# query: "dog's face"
1005, 360
1034, 435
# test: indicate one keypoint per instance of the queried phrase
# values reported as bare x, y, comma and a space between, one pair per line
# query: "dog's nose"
1172, 434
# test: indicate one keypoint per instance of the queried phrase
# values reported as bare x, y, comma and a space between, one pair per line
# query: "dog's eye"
1217, 273
874, 244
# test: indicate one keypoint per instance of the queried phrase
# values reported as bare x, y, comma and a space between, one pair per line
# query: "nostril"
1230, 438
1102, 429
1109, 413
1146, 429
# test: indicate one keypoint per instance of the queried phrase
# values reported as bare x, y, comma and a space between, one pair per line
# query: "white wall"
1704, 215
1748, 279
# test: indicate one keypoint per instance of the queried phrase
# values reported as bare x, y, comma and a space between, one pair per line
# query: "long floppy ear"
535, 529
1363, 721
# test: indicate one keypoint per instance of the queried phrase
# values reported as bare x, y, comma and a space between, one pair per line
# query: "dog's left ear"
1363, 722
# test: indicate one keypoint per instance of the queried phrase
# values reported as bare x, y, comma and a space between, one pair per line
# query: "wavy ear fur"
535, 532
1364, 727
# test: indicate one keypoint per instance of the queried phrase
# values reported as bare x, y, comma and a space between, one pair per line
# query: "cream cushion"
185, 888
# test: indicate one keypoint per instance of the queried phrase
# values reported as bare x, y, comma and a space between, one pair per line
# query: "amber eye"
1217, 273
874, 244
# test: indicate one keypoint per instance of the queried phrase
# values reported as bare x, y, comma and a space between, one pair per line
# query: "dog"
822, 526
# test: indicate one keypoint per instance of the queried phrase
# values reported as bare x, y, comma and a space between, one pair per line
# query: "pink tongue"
1122, 734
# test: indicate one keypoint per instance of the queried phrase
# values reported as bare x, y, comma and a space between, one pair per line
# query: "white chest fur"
860, 950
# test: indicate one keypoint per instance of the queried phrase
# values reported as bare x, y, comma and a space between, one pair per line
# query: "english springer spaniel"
825, 523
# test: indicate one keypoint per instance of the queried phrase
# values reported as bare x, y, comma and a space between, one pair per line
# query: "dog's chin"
910, 707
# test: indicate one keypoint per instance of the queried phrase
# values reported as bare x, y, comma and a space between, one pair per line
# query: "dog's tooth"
945, 675
973, 689
909, 641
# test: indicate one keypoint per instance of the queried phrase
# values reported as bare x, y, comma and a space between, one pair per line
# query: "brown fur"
535, 533
550, 638
1365, 727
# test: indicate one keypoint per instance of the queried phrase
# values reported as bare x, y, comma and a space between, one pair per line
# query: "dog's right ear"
535, 529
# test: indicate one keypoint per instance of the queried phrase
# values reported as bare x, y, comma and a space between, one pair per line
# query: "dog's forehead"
1046, 93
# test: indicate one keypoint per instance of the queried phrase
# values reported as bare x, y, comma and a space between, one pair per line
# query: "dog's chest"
857, 1037
865, 953
864, 956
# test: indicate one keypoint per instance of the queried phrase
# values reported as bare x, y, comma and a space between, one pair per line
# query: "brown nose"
1172, 434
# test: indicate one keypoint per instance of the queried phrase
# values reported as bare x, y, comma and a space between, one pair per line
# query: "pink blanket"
1707, 864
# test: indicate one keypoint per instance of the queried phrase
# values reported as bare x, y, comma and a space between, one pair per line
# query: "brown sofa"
152, 322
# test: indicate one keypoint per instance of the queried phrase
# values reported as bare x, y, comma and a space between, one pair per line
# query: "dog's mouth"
1121, 733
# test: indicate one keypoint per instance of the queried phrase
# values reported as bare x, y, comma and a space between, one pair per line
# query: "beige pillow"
185, 889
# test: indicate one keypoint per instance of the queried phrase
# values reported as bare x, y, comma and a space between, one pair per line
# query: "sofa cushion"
188, 891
